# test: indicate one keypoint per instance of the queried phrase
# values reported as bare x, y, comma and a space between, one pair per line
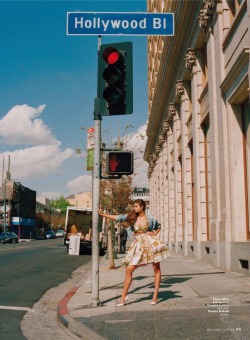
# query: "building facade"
81, 200
198, 146
19, 202
47, 218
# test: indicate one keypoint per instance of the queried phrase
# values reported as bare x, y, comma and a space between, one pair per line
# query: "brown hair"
131, 218
141, 203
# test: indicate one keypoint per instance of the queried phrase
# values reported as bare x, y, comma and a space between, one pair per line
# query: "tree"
60, 203
58, 221
115, 194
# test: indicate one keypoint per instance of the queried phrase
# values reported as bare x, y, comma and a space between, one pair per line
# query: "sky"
48, 83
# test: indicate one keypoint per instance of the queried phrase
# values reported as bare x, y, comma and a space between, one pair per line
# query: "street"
28, 270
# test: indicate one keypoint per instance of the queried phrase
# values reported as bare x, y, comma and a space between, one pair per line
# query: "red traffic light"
111, 55
120, 162
115, 79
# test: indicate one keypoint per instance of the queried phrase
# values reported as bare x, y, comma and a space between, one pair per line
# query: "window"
208, 174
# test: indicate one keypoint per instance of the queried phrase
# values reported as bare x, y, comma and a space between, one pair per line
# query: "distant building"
45, 216
19, 203
81, 200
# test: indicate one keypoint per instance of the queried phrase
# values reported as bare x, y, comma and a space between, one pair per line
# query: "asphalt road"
28, 270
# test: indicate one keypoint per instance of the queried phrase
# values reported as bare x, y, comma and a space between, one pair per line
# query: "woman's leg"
157, 280
127, 282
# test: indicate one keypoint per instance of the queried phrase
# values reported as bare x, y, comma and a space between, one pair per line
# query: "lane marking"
17, 308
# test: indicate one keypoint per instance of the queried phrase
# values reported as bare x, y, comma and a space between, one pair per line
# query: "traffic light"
116, 79
120, 162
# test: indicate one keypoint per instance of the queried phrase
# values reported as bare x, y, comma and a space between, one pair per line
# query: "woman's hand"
101, 213
150, 233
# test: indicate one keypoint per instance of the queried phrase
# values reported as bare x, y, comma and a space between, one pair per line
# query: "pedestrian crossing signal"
120, 162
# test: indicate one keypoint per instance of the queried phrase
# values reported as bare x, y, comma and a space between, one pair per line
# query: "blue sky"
47, 91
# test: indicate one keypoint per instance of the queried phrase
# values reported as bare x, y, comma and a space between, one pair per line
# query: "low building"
47, 218
19, 202
81, 200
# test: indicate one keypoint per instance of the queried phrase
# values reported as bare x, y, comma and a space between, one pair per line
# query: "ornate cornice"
149, 174
207, 13
161, 139
190, 59
171, 111
165, 126
154, 159
157, 149
179, 88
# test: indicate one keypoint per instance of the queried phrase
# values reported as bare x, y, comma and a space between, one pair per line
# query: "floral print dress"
145, 248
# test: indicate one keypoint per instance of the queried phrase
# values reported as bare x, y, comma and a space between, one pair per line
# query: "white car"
59, 233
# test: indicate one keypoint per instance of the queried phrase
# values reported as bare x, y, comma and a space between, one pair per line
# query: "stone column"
191, 64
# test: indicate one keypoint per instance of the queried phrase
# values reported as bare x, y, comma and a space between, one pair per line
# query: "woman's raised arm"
111, 217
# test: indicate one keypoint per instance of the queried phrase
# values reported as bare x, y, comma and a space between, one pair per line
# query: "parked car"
50, 234
8, 237
60, 233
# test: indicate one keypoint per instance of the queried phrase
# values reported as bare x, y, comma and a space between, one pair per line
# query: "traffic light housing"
120, 162
116, 79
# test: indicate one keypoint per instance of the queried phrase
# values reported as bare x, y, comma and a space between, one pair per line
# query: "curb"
74, 327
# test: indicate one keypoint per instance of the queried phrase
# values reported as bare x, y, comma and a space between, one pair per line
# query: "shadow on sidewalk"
166, 282
163, 295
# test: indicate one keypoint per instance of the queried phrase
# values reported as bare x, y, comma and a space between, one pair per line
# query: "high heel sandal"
124, 302
154, 302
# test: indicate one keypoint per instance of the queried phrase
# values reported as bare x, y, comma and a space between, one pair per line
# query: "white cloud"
80, 184
136, 143
47, 194
37, 161
21, 126
44, 157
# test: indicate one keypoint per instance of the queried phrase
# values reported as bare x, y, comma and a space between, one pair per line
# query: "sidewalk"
196, 301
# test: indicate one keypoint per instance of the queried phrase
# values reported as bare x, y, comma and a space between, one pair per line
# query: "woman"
145, 249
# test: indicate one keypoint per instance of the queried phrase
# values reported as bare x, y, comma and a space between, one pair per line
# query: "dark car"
50, 234
8, 237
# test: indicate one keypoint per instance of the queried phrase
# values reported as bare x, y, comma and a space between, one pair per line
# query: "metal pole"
96, 193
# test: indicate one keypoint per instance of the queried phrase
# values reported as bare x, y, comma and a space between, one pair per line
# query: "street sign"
90, 138
90, 148
104, 23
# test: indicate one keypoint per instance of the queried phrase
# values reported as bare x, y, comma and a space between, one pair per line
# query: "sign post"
95, 302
